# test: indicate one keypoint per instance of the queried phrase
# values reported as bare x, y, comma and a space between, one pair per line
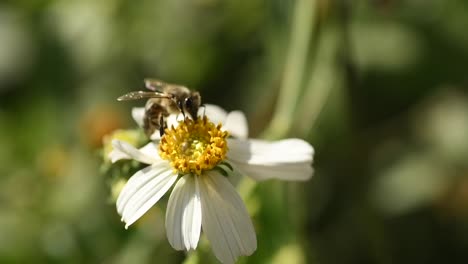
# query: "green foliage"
379, 88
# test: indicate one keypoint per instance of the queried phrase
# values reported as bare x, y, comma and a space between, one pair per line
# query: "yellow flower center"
194, 146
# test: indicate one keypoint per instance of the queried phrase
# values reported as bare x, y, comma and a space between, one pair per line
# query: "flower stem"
290, 90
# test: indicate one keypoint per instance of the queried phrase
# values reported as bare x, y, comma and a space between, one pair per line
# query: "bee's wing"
154, 84
161, 86
135, 95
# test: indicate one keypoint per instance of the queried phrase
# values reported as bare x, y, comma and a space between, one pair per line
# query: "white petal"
215, 113
116, 155
264, 152
138, 181
225, 220
234, 122
151, 150
124, 150
155, 135
292, 172
184, 214
235, 175
236, 125
143, 190
289, 159
138, 113
173, 120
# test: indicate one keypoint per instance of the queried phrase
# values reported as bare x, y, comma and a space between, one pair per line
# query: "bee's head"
191, 104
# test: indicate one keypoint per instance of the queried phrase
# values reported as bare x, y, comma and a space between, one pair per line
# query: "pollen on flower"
194, 146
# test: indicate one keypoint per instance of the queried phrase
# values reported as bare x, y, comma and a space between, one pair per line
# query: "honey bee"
164, 99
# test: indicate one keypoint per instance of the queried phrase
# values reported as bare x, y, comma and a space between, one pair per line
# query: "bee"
164, 99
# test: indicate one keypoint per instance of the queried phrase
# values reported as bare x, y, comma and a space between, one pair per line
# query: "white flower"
197, 156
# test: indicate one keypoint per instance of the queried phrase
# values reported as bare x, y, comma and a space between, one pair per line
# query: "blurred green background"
378, 87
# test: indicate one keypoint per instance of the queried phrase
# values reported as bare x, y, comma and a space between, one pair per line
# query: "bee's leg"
162, 126
181, 108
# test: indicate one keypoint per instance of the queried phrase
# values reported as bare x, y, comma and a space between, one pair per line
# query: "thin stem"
290, 90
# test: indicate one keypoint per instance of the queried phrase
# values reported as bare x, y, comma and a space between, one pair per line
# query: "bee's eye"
188, 103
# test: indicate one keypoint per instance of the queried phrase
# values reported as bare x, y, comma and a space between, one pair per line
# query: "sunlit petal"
151, 150
124, 150
116, 155
215, 113
236, 125
143, 190
138, 113
289, 159
184, 214
225, 220
291, 172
